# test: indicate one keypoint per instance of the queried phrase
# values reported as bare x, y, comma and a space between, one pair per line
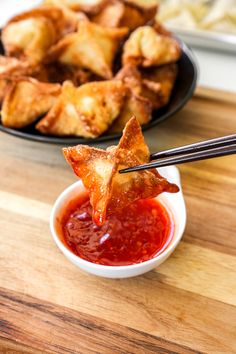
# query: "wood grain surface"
187, 305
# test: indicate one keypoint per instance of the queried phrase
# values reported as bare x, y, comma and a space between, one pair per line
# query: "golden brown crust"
54, 14
94, 167
63, 19
10, 68
133, 141
111, 15
62, 119
134, 17
80, 5
136, 105
14, 67
99, 170
131, 77
58, 73
144, 5
158, 83
54, 44
29, 39
3, 89
92, 47
145, 47
86, 111
131, 14
161, 29
137, 14
25, 100
30, 34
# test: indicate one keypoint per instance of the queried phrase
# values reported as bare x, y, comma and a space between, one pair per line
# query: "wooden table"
187, 305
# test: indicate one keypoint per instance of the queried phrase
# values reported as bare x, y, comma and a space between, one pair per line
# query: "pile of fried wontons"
82, 68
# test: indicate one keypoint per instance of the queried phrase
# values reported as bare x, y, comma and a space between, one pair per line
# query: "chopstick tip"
124, 170
134, 168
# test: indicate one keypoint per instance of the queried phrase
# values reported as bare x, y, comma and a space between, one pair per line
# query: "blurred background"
208, 26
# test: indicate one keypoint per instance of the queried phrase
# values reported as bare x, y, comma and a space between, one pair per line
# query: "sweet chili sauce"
135, 234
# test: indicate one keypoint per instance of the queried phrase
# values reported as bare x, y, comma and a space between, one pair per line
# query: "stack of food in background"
213, 15
78, 68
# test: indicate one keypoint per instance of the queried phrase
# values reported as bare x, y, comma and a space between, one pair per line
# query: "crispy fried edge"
12, 86
89, 9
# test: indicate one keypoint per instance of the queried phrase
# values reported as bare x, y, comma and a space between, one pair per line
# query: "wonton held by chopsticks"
109, 190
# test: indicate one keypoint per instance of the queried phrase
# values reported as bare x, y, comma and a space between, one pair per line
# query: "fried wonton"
13, 67
25, 100
145, 47
134, 103
92, 47
28, 36
138, 13
63, 19
150, 5
58, 73
29, 39
131, 77
87, 6
111, 15
86, 111
159, 28
158, 83
3, 89
99, 170
129, 14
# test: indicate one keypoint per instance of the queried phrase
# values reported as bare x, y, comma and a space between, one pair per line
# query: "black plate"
182, 92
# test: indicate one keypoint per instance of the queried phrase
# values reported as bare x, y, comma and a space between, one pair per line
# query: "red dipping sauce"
135, 234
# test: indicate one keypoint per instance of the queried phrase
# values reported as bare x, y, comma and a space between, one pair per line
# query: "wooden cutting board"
187, 305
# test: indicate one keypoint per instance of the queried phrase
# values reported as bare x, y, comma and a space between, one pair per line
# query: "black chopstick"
203, 145
192, 156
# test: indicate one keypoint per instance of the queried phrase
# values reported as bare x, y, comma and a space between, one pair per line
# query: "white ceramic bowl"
173, 202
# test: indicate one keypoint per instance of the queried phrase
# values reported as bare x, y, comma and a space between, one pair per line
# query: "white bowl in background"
174, 203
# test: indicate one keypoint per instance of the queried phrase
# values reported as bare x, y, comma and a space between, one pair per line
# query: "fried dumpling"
145, 47
99, 170
111, 15
134, 103
3, 89
25, 100
158, 83
13, 67
29, 39
144, 4
138, 13
162, 30
28, 36
63, 19
92, 47
86, 111
87, 6
131, 77
58, 73
131, 14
